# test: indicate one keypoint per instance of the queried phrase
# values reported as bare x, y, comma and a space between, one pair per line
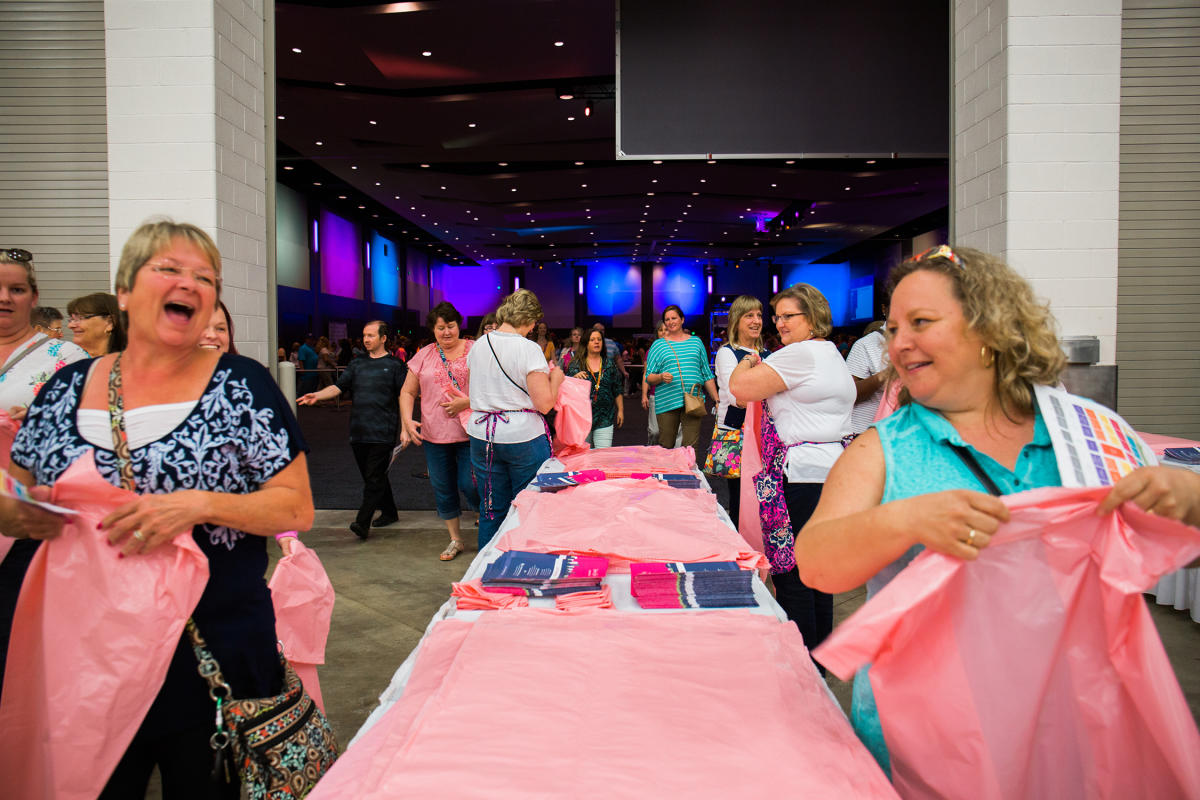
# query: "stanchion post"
286, 377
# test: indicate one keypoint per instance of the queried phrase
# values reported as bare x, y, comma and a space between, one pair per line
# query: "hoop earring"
987, 357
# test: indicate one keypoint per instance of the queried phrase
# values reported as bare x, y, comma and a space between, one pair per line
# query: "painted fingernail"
99, 526
120, 555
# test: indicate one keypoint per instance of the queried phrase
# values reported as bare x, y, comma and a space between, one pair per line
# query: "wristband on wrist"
286, 535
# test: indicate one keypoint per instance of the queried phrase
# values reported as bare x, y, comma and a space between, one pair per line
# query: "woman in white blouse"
809, 395
512, 387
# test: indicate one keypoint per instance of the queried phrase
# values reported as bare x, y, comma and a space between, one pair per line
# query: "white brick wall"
186, 125
1048, 203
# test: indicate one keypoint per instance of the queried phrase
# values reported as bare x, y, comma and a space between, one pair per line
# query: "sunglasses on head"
941, 251
17, 254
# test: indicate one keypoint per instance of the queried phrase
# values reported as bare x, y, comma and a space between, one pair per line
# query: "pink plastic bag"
574, 420
625, 520
471, 596
603, 704
91, 641
890, 400
749, 523
1035, 671
464, 416
303, 599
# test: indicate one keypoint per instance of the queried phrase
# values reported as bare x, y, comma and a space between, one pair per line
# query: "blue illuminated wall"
850, 291
614, 289
679, 284
474, 291
385, 271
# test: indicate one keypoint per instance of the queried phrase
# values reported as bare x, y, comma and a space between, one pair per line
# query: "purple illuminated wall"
554, 286
416, 277
341, 255
474, 291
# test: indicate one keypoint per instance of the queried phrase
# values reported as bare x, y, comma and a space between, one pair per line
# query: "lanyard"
446, 364
594, 376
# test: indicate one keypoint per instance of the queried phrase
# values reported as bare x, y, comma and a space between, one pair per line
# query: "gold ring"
139, 536
971, 537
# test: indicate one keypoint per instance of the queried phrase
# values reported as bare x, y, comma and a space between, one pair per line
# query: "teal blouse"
918, 460
692, 358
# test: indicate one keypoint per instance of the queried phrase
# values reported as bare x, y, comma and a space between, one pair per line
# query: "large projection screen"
802, 78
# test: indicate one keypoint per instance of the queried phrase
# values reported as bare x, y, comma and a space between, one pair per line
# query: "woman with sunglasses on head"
96, 323
808, 394
969, 341
211, 447
27, 360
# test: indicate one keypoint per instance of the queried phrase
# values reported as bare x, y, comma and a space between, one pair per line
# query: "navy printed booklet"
701, 584
544, 574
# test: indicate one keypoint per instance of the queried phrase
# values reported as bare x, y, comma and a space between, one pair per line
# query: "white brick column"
1037, 91
186, 136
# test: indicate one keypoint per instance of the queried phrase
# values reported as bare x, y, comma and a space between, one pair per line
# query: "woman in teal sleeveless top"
969, 341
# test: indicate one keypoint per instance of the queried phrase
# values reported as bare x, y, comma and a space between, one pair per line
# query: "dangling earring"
987, 356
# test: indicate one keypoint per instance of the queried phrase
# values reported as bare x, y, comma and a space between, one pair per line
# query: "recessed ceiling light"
338, 83
558, 44
773, 185
570, 119
280, 116
297, 50
693, 195
341, 197
789, 162
289, 167
847, 188
319, 144
649, 194
470, 124
657, 162
443, 188
353, 167
424, 166
712, 161
579, 163
566, 96
872, 161
502, 163
703, 180
397, 197
654, 180
362, 208
316, 183
426, 53
513, 189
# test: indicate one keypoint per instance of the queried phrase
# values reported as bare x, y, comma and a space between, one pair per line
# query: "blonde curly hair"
1000, 307
519, 308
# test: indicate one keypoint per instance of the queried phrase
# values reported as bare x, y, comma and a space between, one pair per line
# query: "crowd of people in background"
153, 388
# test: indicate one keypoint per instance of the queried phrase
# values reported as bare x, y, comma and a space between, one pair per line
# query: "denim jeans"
513, 467
449, 467
601, 437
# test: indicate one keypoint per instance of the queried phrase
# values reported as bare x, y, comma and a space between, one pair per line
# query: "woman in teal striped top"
678, 363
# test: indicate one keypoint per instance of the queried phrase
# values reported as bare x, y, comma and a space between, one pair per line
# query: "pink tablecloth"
608, 705
628, 520
633, 459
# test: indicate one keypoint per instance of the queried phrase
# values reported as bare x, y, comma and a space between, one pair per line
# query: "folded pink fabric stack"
625, 521
580, 600
473, 597
573, 705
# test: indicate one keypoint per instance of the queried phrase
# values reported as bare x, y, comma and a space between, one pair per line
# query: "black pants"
735, 499
184, 761
812, 611
372, 460
12, 574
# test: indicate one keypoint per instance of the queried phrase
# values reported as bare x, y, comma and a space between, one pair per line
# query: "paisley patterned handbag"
281, 745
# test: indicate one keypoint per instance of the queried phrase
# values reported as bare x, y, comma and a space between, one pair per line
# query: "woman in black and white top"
512, 387
745, 337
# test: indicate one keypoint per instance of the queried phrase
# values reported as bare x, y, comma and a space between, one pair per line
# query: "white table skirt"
1181, 589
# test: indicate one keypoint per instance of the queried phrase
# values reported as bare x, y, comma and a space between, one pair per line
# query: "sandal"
452, 550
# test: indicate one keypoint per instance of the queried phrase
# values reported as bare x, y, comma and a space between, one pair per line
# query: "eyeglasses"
171, 269
778, 318
19, 255
83, 317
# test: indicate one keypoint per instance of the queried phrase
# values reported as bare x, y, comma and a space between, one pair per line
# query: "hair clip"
941, 251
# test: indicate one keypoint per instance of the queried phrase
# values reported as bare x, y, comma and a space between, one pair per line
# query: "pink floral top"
436, 389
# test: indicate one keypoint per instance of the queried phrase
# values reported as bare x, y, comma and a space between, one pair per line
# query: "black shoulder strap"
972, 463
488, 337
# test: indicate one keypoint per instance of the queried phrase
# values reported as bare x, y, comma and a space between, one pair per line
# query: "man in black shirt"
375, 382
